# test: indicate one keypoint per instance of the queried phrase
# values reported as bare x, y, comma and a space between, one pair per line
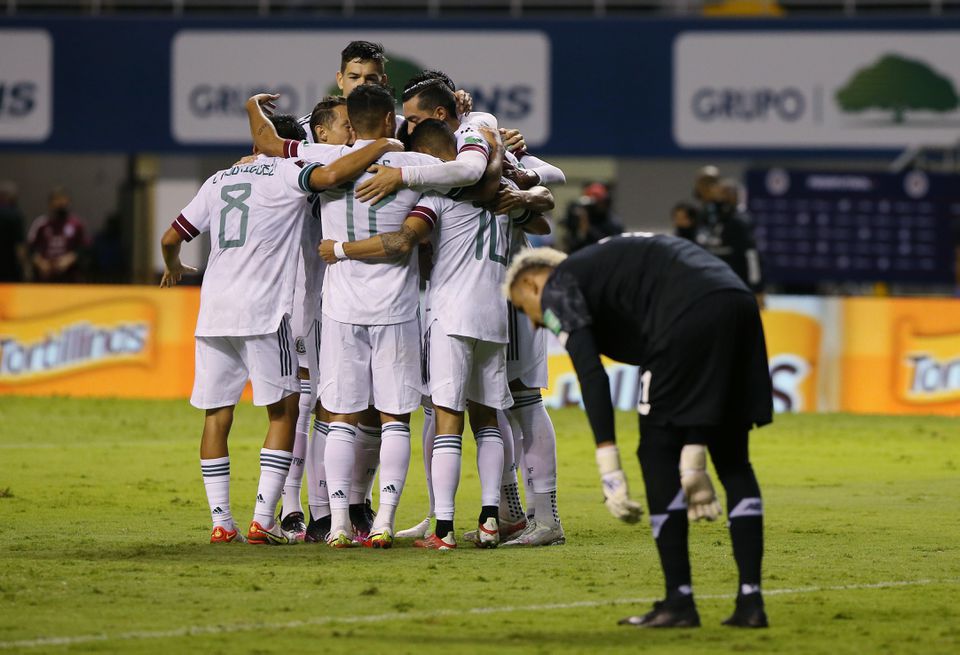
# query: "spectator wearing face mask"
728, 233
590, 218
57, 240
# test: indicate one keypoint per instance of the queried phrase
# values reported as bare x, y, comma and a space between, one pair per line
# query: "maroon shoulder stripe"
291, 148
473, 148
185, 228
425, 214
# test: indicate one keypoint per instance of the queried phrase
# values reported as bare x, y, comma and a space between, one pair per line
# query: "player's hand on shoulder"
173, 274
464, 102
509, 199
616, 493
247, 159
393, 145
385, 181
513, 140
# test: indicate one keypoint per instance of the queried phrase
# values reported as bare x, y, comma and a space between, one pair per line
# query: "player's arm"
350, 166
265, 137
595, 391
487, 188
547, 174
390, 245
173, 268
464, 171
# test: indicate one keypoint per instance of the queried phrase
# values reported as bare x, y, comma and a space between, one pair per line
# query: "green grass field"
104, 527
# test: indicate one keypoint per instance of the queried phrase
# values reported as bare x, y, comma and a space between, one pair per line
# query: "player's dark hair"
288, 127
432, 135
686, 207
432, 94
323, 113
427, 75
403, 135
368, 105
363, 51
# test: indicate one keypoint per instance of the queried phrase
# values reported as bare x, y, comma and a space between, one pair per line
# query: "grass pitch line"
405, 616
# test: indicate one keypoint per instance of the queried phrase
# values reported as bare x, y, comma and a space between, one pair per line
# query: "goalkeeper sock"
216, 480
744, 507
660, 460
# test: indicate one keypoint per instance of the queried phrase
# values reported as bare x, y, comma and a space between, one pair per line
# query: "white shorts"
308, 350
526, 352
364, 363
463, 368
224, 364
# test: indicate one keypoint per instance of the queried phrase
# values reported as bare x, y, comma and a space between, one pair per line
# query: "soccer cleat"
380, 539
538, 534
488, 534
510, 531
419, 531
433, 542
749, 613
671, 613
221, 535
294, 528
340, 539
360, 518
318, 530
259, 535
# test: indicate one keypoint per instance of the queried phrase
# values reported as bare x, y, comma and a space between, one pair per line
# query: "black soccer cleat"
360, 517
318, 530
293, 527
749, 613
670, 613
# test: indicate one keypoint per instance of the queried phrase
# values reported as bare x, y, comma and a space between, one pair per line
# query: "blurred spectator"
684, 217
589, 218
13, 247
707, 177
57, 241
728, 233
109, 258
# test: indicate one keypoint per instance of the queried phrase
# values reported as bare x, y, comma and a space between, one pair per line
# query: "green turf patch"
104, 525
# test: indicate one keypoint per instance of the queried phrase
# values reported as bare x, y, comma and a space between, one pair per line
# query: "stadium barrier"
865, 355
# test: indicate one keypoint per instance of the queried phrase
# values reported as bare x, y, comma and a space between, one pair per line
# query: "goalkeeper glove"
702, 500
616, 495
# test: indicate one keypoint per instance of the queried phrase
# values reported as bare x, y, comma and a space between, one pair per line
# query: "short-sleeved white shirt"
471, 248
368, 293
255, 214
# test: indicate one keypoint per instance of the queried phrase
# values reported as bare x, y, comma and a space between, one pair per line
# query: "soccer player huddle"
354, 276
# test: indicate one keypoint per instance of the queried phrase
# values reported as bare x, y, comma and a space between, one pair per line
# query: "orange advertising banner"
97, 341
901, 356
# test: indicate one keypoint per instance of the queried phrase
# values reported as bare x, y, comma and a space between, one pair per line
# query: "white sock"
429, 434
339, 458
316, 475
394, 463
489, 464
539, 448
511, 507
274, 465
216, 480
365, 466
545, 508
445, 470
290, 498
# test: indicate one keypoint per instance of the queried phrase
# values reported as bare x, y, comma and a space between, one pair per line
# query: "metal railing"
515, 8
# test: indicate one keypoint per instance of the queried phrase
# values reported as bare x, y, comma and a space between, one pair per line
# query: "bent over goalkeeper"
694, 328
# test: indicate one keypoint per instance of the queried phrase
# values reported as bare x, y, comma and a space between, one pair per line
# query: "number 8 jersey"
255, 214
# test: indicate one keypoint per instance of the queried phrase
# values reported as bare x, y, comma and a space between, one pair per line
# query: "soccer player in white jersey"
370, 343
243, 328
466, 344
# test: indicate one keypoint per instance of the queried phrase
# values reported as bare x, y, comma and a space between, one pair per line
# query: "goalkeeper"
694, 328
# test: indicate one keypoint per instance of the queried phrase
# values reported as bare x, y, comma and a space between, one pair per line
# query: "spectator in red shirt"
57, 239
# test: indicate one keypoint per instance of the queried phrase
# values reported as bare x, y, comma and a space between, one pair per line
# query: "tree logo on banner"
898, 84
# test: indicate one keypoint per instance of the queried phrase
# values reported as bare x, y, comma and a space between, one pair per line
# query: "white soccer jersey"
255, 215
368, 293
310, 269
471, 246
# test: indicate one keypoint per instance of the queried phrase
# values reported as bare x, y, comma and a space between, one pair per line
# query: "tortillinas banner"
97, 341
866, 355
